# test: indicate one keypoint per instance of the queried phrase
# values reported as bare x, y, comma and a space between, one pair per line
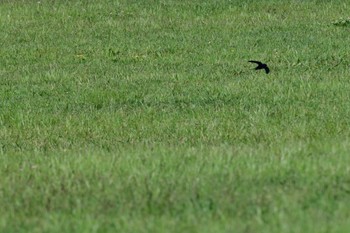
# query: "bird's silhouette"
261, 66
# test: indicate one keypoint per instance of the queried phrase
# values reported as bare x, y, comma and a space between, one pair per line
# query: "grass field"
145, 116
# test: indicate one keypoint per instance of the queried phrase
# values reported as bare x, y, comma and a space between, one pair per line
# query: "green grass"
145, 116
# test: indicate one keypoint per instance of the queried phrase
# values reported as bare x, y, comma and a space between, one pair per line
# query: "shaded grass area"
193, 189
145, 116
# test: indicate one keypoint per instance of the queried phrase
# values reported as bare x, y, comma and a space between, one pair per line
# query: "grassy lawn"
145, 116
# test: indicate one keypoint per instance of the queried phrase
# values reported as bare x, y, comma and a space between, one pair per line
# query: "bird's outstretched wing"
257, 62
267, 70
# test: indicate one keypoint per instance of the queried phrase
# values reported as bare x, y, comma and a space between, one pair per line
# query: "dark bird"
261, 66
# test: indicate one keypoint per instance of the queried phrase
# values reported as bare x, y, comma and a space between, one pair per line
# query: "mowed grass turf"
145, 116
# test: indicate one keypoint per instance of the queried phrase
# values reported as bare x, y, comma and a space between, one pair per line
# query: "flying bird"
261, 66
